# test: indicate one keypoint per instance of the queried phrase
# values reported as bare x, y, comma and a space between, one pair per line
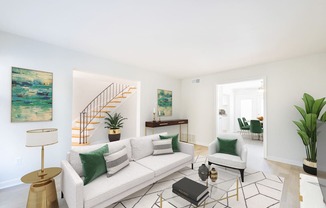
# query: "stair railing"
95, 108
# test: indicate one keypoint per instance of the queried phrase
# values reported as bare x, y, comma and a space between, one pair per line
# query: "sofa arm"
212, 147
187, 148
72, 186
244, 153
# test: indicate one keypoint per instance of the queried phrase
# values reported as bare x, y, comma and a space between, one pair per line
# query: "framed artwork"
31, 95
164, 102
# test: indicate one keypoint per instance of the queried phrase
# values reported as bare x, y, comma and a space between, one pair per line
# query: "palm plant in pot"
307, 129
114, 123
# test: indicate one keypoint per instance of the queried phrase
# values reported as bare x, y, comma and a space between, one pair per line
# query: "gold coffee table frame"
42, 192
215, 200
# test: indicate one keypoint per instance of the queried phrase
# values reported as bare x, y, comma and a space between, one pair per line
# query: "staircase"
94, 113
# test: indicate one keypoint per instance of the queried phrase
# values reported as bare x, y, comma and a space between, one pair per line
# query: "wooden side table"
42, 192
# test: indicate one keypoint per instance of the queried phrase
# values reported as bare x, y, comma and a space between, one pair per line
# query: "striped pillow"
116, 161
162, 147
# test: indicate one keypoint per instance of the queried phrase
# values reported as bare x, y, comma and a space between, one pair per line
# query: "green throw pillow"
175, 147
93, 163
228, 146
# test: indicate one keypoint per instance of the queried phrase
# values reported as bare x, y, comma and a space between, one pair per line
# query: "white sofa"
143, 170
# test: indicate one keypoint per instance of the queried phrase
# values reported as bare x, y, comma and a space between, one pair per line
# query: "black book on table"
190, 188
192, 201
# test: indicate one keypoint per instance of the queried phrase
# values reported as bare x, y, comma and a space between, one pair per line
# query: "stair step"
115, 101
102, 111
126, 93
77, 136
132, 88
78, 128
105, 111
121, 96
95, 116
92, 122
109, 106
77, 144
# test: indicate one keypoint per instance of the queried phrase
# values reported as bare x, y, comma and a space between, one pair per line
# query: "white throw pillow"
162, 147
116, 161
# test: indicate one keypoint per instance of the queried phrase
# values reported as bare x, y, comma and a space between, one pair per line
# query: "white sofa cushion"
143, 146
163, 163
104, 188
227, 160
118, 145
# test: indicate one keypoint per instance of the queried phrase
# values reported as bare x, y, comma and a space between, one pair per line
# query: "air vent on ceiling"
195, 81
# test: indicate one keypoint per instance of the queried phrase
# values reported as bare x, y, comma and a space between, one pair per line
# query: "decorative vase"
213, 175
310, 167
203, 172
114, 135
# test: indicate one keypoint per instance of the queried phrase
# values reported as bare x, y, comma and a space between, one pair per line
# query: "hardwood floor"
16, 197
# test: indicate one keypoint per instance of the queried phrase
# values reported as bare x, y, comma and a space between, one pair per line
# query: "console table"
157, 124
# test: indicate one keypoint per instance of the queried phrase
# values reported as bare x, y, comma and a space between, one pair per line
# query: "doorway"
244, 99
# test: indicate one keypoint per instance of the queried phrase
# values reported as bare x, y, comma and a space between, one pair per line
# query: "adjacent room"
156, 104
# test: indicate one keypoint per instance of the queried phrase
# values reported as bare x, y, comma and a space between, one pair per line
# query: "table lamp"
41, 137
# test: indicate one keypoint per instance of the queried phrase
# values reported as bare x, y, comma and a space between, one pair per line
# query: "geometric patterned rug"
259, 190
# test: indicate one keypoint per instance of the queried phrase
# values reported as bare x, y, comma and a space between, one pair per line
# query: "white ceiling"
180, 38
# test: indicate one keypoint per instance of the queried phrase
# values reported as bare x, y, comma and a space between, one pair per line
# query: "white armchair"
231, 161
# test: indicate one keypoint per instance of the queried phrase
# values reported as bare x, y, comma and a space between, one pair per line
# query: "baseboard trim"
282, 160
10, 183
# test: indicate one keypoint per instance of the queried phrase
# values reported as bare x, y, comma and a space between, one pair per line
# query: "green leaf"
308, 101
304, 137
323, 117
115, 121
299, 125
311, 121
301, 111
318, 105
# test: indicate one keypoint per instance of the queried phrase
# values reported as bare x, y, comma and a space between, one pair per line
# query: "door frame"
265, 133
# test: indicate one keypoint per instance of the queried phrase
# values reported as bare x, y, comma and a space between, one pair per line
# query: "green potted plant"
114, 123
307, 129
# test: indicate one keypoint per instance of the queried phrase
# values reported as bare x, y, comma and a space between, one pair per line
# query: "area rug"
259, 190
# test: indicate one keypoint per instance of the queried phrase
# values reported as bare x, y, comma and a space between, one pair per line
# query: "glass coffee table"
220, 190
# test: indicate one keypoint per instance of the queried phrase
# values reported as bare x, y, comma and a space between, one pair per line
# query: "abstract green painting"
164, 102
31, 95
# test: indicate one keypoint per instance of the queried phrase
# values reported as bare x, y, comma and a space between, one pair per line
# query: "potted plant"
114, 123
307, 129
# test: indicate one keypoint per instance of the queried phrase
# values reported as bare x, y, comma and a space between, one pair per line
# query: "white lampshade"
41, 137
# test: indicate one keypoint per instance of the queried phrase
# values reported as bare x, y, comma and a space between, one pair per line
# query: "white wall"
286, 81
26, 53
86, 86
